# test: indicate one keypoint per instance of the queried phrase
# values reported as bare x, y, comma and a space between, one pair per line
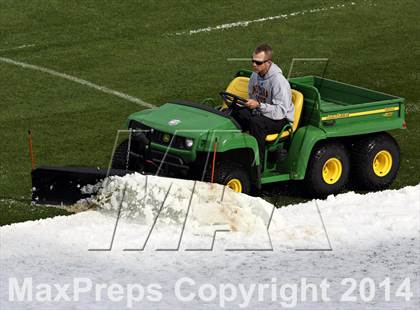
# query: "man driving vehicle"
269, 107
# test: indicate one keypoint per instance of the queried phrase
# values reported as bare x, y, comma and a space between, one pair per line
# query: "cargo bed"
339, 107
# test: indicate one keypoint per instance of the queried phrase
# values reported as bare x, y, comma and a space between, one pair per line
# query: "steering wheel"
233, 101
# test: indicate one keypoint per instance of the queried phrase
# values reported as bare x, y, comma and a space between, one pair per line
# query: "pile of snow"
142, 197
373, 236
196, 208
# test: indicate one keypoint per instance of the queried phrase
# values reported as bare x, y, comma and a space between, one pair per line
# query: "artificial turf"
132, 47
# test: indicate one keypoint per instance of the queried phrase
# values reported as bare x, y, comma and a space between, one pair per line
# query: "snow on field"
349, 251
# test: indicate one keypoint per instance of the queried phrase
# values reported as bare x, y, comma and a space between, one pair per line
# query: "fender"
232, 141
300, 150
237, 140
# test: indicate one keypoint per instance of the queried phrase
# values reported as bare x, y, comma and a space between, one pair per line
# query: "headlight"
189, 143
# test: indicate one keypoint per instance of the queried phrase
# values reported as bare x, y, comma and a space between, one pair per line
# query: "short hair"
266, 48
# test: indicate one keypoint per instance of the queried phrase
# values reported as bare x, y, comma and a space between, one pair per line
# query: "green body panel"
228, 141
300, 150
364, 125
343, 110
331, 109
202, 126
271, 175
193, 122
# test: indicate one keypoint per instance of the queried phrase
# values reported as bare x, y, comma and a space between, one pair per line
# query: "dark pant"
259, 126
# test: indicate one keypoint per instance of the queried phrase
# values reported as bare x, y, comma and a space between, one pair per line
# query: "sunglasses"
258, 62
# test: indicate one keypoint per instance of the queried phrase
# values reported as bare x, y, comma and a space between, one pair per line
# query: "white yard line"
246, 23
17, 47
77, 80
239, 59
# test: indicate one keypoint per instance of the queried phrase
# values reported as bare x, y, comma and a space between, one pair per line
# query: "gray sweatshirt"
274, 94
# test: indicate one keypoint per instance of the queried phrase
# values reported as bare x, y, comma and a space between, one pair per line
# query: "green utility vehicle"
339, 132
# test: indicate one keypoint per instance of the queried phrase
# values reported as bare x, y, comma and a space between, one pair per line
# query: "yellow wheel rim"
236, 185
331, 172
382, 163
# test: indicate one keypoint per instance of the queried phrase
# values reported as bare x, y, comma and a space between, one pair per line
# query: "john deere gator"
340, 132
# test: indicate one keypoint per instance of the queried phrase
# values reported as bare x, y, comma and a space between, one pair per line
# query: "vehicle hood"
187, 119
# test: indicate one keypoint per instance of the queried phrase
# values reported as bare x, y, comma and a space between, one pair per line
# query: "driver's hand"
252, 104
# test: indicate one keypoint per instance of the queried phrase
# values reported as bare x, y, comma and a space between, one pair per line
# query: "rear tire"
232, 175
375, 161
328, 169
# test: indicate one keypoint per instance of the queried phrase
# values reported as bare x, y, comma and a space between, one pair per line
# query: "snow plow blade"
62, 185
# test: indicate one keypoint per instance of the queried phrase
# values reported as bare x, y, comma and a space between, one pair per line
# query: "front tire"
375, 161
328, 169
231, 174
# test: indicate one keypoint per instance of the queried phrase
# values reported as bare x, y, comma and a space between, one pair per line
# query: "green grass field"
131, 47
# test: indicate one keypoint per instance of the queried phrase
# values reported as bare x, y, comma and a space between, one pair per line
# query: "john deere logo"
174, 122
166, 138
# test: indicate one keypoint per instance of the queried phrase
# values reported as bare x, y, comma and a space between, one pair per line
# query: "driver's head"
262, 59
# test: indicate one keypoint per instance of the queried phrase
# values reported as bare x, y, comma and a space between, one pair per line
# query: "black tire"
119, 160
368, 173
328, 169
231, 174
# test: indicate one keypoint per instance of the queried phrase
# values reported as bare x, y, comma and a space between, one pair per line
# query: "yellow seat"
297, 99
239, 87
